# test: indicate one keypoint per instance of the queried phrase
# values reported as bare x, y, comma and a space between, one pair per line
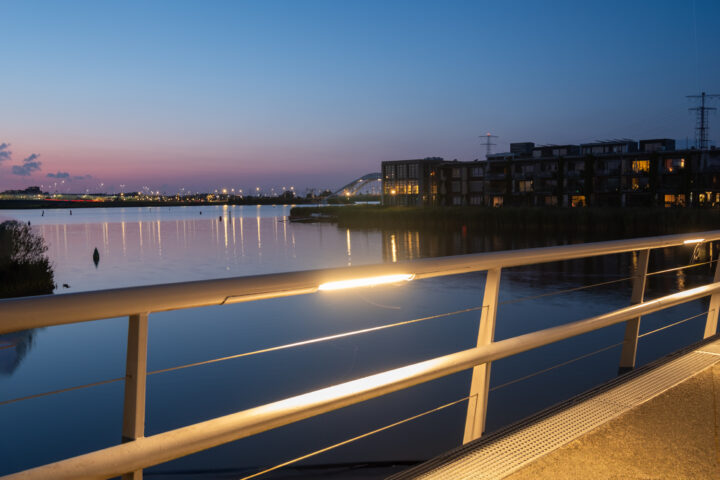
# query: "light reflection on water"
141, 248
158, 245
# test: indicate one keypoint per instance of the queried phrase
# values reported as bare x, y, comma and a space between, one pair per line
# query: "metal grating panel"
499, 454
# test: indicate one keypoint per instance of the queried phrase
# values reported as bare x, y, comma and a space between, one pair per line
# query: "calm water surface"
142, 246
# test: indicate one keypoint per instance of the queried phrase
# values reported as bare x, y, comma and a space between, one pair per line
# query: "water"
142, 246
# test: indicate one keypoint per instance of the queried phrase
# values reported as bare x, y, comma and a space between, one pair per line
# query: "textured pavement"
676, 435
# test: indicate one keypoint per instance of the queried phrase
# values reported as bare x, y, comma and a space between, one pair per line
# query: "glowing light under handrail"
367, 282
694, 240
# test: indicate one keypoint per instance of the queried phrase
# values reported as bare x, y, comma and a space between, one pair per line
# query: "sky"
199, 95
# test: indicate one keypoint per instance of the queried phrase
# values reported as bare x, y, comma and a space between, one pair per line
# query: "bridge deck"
659, 422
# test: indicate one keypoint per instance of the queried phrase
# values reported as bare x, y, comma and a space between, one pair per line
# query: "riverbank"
620, 221
46, 204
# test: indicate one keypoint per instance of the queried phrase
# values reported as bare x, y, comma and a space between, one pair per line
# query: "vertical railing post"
135, 375
480, 383
712, 317
632, 326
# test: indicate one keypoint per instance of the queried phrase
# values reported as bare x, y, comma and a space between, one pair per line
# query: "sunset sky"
208, 94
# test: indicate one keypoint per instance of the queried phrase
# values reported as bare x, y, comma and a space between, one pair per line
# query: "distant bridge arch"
369, 184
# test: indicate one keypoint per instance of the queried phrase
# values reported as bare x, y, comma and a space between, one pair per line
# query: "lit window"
525, 186
577, 201
641, 166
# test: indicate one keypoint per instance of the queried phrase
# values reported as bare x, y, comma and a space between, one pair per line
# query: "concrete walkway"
675, 435
659, 422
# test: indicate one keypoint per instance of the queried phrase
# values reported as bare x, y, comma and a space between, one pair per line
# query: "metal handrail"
137, 302
49, 310
166, 446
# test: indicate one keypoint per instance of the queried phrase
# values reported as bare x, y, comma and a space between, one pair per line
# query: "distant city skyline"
311, 94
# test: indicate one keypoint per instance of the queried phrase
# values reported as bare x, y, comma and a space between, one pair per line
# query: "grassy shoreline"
625, 221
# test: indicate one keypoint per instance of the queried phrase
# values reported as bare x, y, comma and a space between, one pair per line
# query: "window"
476, 200
525, 186
390, 172
578, 201
525, 169
476, 186
457, 200
497, 201
537, 153
455, 172
610, 167
674, 164
674, 200
476, 172
576, 167
639, 183
545, 185
402, 171
455, 187
413, 170
641, 166
412, 187
551, 201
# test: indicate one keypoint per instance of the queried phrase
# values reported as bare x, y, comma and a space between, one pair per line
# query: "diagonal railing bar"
548, 369
560, 292
247, 354
318, 340
681, 267
358, 437
61, 390
673, 324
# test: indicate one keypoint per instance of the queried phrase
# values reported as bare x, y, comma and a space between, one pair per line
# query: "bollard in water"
96, 257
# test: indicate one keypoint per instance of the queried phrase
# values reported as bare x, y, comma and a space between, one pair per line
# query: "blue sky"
316, 93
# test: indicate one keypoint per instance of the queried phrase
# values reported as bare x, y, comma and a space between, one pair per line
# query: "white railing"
138, 452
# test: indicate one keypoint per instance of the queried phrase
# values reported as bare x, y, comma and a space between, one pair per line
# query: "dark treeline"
610, 222
24, 267
24, 270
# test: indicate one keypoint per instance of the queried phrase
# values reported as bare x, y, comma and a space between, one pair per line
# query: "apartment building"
620, 172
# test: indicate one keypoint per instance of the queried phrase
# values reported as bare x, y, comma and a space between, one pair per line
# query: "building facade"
612, 173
